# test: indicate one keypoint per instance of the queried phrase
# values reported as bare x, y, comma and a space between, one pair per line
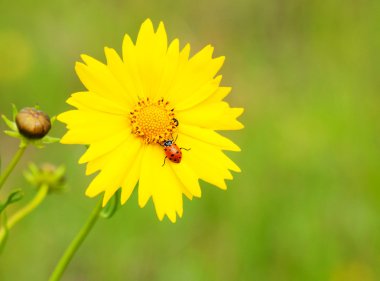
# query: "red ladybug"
173, 151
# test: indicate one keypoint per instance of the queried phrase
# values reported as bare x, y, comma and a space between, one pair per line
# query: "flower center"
153, 121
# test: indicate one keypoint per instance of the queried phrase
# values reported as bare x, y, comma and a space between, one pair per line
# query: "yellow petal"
208, 162
108, 193
171, 64
114, 172
215, 116
161, 183
196, 97
88, 127
146, 33
146, 182
123, 75
218, 95
92, 102
188, 178
179, 63
98, 79
103, 160
79, 118
131, 178
151, 51
105, 146
130, 62
107, 179
98, 163
129, 182
208, 136
193, 75
128, 49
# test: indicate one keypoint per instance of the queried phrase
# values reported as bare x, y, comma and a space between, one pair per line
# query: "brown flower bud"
32, 123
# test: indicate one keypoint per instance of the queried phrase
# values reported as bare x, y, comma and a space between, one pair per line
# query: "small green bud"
32, 123
46, 174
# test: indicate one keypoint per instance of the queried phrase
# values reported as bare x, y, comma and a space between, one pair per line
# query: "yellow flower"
134, 104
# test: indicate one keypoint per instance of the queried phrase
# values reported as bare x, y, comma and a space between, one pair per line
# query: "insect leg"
164, 161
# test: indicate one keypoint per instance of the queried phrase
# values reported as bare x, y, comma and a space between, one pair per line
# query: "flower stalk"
27, 209
75, 244
12, 164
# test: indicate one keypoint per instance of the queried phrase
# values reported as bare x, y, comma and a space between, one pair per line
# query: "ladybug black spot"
172, 155
177, 152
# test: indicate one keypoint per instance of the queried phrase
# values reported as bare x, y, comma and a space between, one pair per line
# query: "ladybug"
173, 151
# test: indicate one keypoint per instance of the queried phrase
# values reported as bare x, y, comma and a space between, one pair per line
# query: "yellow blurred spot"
15, 55
354, 271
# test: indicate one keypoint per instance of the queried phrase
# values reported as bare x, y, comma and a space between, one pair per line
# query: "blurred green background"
305, 207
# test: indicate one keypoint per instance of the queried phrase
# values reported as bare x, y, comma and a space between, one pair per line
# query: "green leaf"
9, 123
14, 111
12, 134
112, 206
16, 195
13, 197
39, 145
52, 120
47, 140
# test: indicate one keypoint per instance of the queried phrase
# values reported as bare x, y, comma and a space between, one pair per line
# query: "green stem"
78, 240
27, 209
12, 164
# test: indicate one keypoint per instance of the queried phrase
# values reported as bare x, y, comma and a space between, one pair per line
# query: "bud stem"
27, 209
75, 244
12, 164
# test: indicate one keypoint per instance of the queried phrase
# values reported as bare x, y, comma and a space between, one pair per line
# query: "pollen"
153, 121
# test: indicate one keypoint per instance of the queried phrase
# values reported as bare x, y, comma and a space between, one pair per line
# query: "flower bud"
46, 174
32, 123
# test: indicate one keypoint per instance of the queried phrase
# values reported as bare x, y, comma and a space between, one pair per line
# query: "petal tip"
147, 21
160, 216
127, 39
172, 216
107, 49
59, 116
82, 160
105, 201
147, 25
161, 26
85, 57
90, 193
